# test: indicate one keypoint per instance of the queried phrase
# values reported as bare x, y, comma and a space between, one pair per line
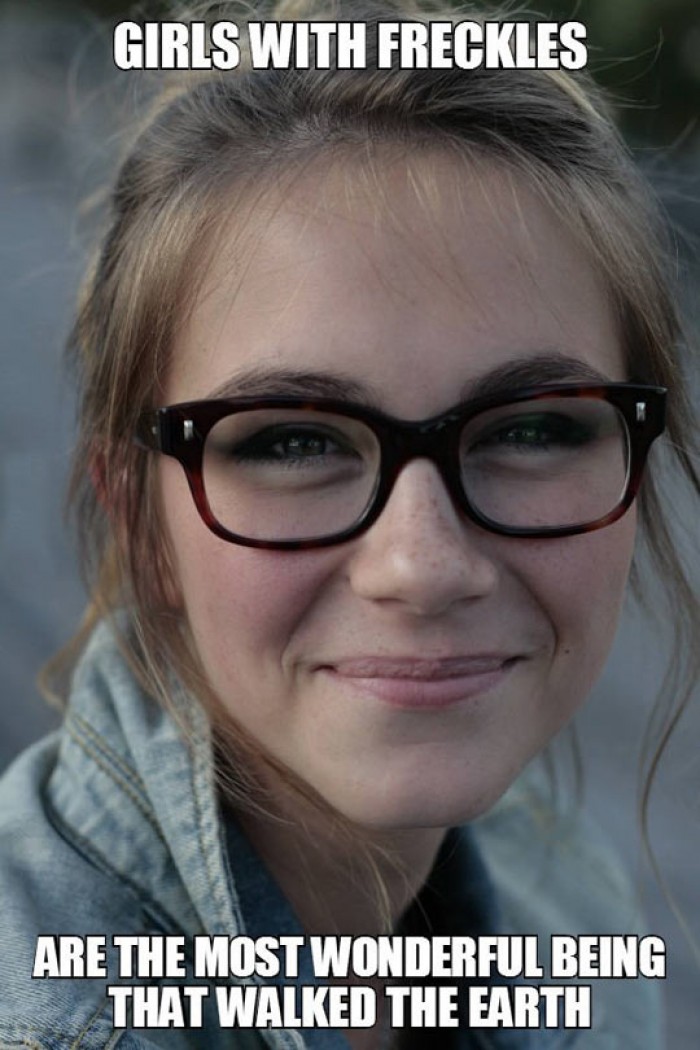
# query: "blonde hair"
207, 143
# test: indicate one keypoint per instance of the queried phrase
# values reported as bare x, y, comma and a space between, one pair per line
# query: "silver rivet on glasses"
188, 429
641, 411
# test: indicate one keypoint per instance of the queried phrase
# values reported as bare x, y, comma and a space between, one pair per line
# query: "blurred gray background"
58, 114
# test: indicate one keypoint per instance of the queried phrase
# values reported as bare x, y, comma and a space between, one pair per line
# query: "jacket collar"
137, 792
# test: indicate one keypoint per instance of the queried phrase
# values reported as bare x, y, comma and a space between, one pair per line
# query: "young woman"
371, 365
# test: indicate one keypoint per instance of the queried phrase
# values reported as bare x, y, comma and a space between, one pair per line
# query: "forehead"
411, 274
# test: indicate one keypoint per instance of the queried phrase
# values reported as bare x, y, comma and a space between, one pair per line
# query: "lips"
422, 683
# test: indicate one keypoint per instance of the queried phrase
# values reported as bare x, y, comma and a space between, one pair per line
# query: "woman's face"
340, 661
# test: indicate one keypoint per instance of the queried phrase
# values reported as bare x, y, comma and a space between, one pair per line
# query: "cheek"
243, 605
579, 583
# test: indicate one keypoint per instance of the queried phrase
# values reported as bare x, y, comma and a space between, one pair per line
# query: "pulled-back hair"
209, 146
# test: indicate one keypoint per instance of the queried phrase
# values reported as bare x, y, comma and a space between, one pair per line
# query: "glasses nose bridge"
436, 440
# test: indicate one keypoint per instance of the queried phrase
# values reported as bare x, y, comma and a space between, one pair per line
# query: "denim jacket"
112, 826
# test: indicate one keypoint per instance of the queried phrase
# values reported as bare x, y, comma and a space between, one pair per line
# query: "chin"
425, 802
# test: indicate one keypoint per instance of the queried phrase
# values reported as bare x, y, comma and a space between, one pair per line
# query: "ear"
110, 486
157, 576
98, 477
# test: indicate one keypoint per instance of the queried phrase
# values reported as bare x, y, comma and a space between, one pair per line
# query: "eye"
539, 431
291, 444
304, 445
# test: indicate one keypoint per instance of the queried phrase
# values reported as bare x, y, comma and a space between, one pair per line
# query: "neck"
341, 879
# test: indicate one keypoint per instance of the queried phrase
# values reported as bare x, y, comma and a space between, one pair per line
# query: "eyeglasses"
289, 473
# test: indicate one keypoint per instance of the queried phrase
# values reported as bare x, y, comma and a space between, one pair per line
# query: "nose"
421, 555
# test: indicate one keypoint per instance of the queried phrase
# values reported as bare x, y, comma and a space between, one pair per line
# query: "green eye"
289, 445
303, 445
543, 431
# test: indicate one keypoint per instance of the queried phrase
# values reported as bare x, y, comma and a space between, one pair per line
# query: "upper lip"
422, 668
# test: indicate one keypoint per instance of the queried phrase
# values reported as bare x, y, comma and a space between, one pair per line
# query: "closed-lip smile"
422, 682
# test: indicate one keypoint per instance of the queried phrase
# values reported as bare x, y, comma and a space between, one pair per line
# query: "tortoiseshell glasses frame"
181, 431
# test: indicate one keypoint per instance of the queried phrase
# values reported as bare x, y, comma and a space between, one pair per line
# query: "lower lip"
425, 693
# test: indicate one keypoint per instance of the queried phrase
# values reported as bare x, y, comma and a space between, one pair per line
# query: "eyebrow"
273, 382
538, 370
533, 371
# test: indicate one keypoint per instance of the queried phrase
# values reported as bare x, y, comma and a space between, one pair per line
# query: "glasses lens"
289, 474
547, 463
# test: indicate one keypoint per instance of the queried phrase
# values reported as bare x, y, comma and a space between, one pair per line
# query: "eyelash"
559, 430
259, 447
